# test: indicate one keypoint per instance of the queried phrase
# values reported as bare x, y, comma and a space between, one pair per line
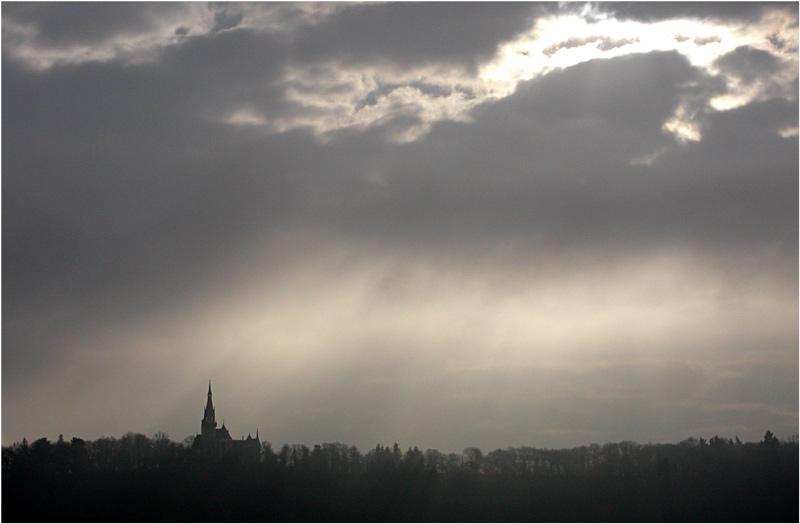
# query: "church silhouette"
216, 443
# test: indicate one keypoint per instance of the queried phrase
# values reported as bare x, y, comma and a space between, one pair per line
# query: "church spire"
208, 414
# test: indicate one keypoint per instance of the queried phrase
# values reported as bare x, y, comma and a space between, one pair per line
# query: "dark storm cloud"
60, 24
460, 34
552, 159
225, 19
111, 179
234, 67
564, 135
749, 63
635, 91
146, 202
719, 11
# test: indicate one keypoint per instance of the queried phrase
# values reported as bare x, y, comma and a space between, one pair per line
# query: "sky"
437, 224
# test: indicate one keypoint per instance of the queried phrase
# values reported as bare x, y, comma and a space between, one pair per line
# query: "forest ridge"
136, 478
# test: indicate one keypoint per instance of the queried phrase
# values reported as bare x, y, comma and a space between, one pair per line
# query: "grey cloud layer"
563, 139
125, 195
416, 34
725, 11
58, 24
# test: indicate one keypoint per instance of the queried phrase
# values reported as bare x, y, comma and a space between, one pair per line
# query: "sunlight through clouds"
563, 41
456, 224
329, 98
454, 324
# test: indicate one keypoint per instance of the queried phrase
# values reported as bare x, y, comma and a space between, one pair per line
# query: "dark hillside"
135, 478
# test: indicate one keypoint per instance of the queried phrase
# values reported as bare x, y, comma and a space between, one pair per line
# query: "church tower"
208, 427
215, 443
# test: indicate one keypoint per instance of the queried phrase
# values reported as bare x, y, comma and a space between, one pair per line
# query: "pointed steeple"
208, 414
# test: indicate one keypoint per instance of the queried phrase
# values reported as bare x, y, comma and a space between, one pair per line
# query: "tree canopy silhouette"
137, 478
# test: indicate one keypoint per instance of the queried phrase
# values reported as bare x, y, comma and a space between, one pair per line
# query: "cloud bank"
438, 224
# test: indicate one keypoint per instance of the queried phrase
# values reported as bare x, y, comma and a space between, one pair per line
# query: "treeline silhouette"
136, 478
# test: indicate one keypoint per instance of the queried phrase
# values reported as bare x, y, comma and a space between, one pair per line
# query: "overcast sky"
442, 225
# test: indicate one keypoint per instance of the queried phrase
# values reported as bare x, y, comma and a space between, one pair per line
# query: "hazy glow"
544, 233
461, 337
683, 126
246, 117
